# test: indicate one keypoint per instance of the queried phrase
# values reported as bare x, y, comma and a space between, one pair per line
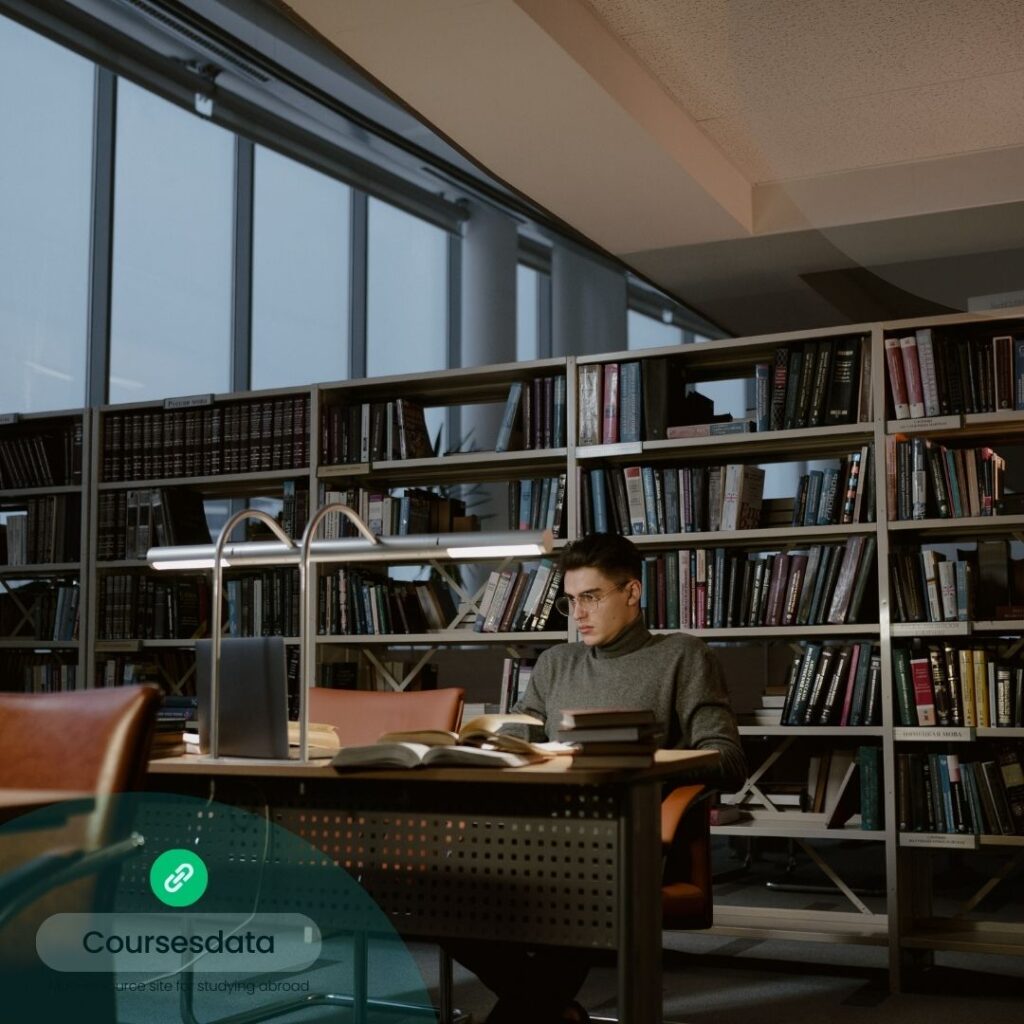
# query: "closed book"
912, 375
573, 718
590, 398
897, 378
610, 420
510, 417
819, 393
777, 407
924, 695
630, 402
842, 388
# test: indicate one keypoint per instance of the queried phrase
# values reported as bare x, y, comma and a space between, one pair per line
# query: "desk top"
556, 770
20, 801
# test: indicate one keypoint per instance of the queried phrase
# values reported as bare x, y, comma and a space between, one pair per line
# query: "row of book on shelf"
829, 684
415, 510
929, 587
134, 606
840, 782
925, 479
48, 530
239, 436
41, 610
538, 504
519, 599
698, 588
130, 522
817, 383
939, 792
362, 602
648, 500
44, 456
27, 672
534, 415
932, 374
947, 685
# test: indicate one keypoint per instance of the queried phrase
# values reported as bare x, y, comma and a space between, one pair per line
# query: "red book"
897, 380
912, 372
924, 695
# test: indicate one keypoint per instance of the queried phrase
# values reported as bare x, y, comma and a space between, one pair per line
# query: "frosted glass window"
646, 332
46, 126
300, 274
170, 328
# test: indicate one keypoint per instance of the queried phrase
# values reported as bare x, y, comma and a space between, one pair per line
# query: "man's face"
607, 607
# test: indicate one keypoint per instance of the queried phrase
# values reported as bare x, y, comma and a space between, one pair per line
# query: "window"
647, 332
170, 330
528, 283
407, 293
46, 126
406, 297
300, 274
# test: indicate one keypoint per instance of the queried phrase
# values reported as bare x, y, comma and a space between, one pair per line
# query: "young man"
618, 663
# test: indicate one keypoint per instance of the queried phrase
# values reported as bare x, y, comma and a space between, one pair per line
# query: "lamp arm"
215, 615
307, 595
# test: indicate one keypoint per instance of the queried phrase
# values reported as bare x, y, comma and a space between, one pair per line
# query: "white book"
929, 564
947, 590
731, 496
926, 360
485, 600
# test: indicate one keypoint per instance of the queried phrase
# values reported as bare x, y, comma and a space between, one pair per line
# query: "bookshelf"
165, 472
221, 450
535, 412
44, 506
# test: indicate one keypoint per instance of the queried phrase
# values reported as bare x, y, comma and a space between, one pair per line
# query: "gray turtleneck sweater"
675, 675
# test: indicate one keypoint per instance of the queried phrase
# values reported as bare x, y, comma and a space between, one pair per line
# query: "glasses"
585, 602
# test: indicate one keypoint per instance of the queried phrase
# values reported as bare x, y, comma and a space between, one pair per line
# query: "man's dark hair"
613, 555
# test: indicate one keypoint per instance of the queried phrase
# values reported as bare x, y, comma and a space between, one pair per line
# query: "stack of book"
610, 737
173, 717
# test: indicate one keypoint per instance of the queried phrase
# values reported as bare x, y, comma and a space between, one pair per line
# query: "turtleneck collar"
631, 639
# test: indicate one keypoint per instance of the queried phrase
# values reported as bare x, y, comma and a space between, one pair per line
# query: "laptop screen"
253, 696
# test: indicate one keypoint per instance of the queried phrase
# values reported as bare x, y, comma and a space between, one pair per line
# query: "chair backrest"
91, 740
360, 716
686, 891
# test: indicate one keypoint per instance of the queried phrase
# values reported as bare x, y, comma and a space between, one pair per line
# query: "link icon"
178, 878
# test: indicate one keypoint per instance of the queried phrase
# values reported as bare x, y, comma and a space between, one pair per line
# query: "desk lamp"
367, 547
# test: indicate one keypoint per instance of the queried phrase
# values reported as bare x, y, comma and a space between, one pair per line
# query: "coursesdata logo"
178, 878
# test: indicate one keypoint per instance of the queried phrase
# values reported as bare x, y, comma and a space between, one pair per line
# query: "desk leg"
639, 910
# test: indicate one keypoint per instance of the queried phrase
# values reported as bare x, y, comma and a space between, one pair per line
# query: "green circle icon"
178, 878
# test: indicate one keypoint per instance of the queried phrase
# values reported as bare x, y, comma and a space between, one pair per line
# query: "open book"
478, 742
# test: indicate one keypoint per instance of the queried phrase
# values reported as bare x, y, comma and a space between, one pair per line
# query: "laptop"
253, 696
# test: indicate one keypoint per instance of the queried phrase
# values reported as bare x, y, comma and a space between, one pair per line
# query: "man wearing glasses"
617, 664
620, 664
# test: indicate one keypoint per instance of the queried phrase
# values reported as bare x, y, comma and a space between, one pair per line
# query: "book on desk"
479, 742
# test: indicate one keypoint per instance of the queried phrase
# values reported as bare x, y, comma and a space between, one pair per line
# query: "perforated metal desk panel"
545, 854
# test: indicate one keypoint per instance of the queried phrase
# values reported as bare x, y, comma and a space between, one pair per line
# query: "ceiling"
776, 164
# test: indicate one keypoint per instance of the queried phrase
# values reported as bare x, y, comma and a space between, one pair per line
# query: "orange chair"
360, 716
686, 892
95, 742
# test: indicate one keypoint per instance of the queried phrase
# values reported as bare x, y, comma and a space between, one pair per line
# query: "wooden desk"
545, 854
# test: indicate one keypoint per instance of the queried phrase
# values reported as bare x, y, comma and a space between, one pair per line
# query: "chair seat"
684, 905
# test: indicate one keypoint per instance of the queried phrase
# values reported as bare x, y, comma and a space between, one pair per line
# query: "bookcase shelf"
470, 466
452, 637
780, 632
768, 537
873, 413
224, 485
836, 731
777, 826
21, 644
993, 525
41, 569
